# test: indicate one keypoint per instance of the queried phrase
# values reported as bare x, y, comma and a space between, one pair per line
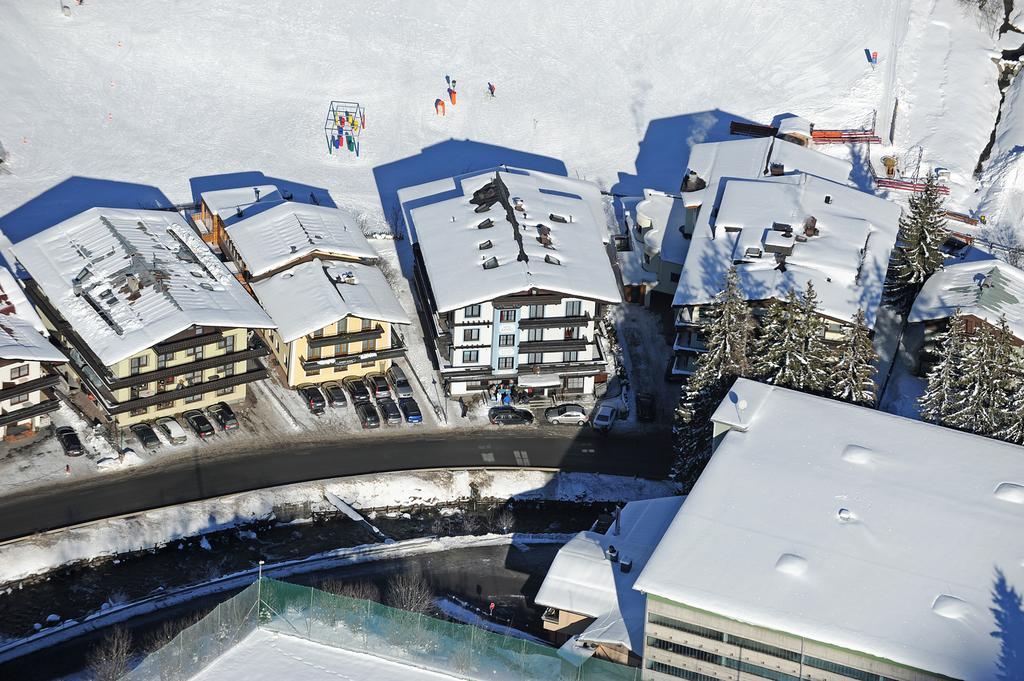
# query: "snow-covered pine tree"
922, 233
778, 340
854, 370
725, 327
1012, 429
985, 387
791, 351
941, 394
819, 358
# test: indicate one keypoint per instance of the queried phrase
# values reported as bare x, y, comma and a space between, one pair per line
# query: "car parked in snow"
566, 414
411, 410
199, 424
646, 409
377, 385
172, 430
357, 389
69, 442
389, 411
509, 416
313, 398
335, 394
399, 383
604, 416
145, 434
368, 416
224, 415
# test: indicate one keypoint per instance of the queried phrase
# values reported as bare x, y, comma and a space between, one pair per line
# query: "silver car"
566, 415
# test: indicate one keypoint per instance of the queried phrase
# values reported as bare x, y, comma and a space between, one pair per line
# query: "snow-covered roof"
987, 289
458, 253
312, 295
226, 203
290, 231
126, 279
933, 517
846, 257
22, 335
582, 580
795, 125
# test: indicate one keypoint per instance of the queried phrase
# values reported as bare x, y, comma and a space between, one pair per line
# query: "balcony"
186, 343
397, 349
188, 391
689, 339
169, 374
345, 338
555, 322
31, 411
564, 345
11, 389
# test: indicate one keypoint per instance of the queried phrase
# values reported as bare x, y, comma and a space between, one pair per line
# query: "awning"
539, 380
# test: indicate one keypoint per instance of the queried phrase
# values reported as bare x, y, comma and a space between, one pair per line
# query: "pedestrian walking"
67, 469
490, 88
439, 107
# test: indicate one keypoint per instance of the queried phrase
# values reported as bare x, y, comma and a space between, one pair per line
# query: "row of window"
573, 308
364, 325
678, 672
507, 340
20, 371
342, 349
227, 344
755, 646
473, 356
162, 406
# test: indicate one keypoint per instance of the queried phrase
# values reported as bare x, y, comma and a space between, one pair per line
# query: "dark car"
313, 398
199, 424
410, 410
378, 386
356, 388
509, 416
224, 415
335, 395
68, 439
368, 416
146, 436
646, 411
389, 411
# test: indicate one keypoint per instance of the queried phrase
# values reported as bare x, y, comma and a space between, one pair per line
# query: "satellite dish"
741, 405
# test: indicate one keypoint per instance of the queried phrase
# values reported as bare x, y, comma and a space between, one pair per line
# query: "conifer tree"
985, 388
922, 233
854, 368
791, 351
1012, 429
939, 398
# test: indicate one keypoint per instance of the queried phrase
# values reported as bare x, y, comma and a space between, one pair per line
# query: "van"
399, 383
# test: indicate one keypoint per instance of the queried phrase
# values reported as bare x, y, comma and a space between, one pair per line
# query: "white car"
172, 430
604, 416
566, 414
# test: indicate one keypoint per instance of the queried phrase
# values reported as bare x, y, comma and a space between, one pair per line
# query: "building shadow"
1008, 613
294, 191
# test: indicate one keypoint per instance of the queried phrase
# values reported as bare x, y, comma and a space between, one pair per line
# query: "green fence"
366, 627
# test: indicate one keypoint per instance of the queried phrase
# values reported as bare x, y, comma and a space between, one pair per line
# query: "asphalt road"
209, 475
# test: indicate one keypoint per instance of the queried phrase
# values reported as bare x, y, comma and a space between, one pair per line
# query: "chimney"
256, 191
625, 565
612, 553
238, 211
811, 226
777, 169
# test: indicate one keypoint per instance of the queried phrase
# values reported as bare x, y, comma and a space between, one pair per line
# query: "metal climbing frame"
344, 122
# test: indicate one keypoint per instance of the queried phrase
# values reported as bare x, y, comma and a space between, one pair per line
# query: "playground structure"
345, 120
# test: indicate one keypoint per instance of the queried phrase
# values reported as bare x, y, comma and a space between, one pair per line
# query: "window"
226, 391
506, 362
194, 378
678, 672
227, 344
572, 333
573, 308
165, 405
366, 324
319, 333
19, 372
194, 398
137, 363
314, 353
471, 334
195, 353
571, 356
226, 370
534, 357
471, 311
470, 356
340, 349
368, 364
535, 312
574, 383
370, 345
507, 315
18, 399
138, 412
163, 359
534, 335
506, 340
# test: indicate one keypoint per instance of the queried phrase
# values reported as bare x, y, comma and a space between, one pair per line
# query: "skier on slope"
490, 88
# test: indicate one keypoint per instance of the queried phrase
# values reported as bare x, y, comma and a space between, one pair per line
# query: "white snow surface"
987, 289
181, 282
309, 296
269, 656
582, 580
455, 248
21, 331
930, 520
289, 231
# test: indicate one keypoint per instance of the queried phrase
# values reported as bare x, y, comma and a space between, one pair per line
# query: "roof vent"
294, 249
791, 564
777, 169
552, 260
844, 515
238, 211
555, 217
486, 224
828, 198
1010, 491
752, 252
612, 554
544, 240
484, 245
206, 285
490, 263
811, 226
951, 607
256, 191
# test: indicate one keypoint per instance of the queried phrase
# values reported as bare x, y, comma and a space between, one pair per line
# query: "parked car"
199, 424
604, 416
172, 430
509, 416
224, 415
368, 416
145, 434
334, 393
313, 398
399, 383
410, 410
389, 411
566, 414
377, 385
357, 389
646, 410
69, 442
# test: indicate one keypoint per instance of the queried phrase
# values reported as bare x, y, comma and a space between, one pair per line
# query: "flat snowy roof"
22, 335
472, 256
845, 252
987, 289
582, 580
290, 231
251, 200
312, 295
127, 279
265, 655
933, 518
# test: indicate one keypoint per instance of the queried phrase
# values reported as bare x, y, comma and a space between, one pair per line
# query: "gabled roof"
851, 527
289, 231
232, 205
986, 289
309, 296
472, 256
22, 335
126, 279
